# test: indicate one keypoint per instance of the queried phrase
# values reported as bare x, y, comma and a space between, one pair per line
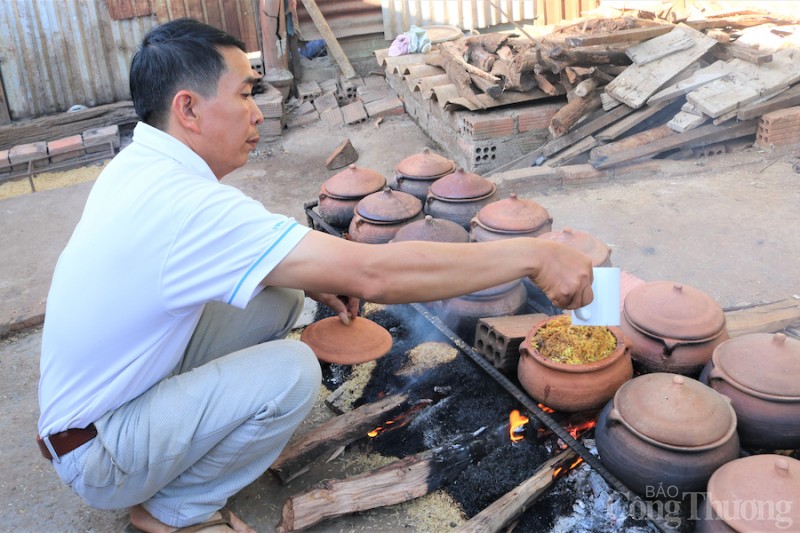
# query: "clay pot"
756, 494
511, 217
339, 194
379, 216
462, 313
459, 196
416, 173
672, 327
359, 341
759, 373
432, 229
666, 430
599, 251
573, 388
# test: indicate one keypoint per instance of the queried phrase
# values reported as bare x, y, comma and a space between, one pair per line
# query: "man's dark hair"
180, 54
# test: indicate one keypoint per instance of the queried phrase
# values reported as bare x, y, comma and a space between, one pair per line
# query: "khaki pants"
186, 445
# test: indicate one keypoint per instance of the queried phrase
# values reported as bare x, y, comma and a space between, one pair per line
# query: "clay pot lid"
432, 229
762, 362
425, 165
334, 342
388, 206
513, 214
462, 185
354, 182
581, 241
767, 478
675, 410
674, 311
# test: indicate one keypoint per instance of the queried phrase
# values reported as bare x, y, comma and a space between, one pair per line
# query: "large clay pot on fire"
672, 327
666, 430
378, 216
760, 374
416, 173
510, 217
459, 196
339, 194
463, 312
582, 381
597, 250
756, 494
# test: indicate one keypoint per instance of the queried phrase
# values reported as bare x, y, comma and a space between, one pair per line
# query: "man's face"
229, 119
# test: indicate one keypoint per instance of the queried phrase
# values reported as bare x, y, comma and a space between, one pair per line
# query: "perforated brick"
66, 148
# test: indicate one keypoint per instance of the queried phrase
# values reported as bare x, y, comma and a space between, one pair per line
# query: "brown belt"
66, 441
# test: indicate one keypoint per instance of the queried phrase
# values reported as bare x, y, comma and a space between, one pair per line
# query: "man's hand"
345, 307
565, 276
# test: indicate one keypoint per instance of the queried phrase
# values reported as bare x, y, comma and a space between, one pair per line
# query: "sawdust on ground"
51, 180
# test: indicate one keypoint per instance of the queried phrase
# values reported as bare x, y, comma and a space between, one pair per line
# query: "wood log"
568, 115
585, 87
513, 80
544, 84
451, 52
491, 42
512, 504
479, 57
590, 55
397, 482
494, 90
788, 98
338, 431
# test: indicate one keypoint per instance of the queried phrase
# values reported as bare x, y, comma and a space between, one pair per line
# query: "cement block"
325, 102
354, 113
333, 117
293, 120
307, 91
390, 106
5, 164
97, 139
272, 127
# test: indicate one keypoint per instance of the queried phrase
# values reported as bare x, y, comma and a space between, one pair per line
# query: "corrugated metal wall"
58, 53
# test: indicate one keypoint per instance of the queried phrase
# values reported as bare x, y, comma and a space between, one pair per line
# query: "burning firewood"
512, 504
397, 482
336, 432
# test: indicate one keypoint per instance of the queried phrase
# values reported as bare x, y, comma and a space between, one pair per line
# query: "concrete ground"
726, 225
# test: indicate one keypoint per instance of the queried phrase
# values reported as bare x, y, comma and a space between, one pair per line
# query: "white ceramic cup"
605, 308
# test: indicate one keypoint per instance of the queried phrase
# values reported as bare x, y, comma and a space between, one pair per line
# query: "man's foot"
144, 521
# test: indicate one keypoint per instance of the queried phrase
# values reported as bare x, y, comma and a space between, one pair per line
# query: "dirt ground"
728, 230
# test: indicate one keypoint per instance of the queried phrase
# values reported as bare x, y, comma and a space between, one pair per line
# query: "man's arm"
417, 271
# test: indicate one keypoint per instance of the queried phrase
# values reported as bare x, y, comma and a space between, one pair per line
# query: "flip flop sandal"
224, 521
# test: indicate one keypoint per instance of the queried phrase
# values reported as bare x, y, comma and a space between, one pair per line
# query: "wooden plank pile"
637, 88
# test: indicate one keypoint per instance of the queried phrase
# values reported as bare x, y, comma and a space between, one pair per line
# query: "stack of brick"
270, 103
24, 159
344, 102
778, 128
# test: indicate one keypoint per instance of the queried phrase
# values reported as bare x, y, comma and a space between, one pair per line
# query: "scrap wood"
747, 83
736, 49
658, 47
400, 481
330, 39
639, 82
635, 120
698, 78
633, 141
764, 318
337, 431
622, 36
568, 155
512, 504
697, 137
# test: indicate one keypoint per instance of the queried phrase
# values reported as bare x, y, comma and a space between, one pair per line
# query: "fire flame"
398, 422
516, 425
544, 408
562, 469
576, 430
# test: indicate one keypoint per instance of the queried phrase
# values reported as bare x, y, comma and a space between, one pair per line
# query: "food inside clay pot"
560, 341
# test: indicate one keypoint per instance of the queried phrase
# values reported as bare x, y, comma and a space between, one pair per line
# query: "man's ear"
184, 109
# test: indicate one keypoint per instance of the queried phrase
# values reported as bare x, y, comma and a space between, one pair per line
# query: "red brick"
487, 127
5, 164
20, 155
536, 118
65, 144
782, 117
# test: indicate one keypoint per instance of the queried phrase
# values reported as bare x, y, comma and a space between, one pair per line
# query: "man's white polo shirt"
159, 237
